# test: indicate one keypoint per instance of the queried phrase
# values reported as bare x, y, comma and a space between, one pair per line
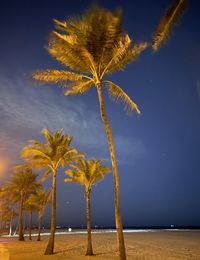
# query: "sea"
73, 231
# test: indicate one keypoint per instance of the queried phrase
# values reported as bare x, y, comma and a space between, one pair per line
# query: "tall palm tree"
87, 173
55, 153
93, 46
23, 183
40, 201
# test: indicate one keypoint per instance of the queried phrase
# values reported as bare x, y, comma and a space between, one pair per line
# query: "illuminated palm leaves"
40, 200
86, 173
54, 153
70, 53
169, 20
24, 180
97, 40
117, 94
124, 52
79, 87
93, 45
56, 76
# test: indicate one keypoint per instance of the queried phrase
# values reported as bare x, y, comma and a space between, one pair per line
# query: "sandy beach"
140, 246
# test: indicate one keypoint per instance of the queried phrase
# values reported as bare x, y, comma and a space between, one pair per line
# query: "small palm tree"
93, 46
23, 183
55, 153
9, 197
87, 173
40, 201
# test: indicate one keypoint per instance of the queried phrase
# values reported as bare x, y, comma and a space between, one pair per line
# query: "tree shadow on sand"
80, 247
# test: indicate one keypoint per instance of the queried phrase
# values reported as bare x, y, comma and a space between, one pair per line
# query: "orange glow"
3, 165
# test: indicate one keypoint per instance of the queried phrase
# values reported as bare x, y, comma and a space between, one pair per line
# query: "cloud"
25, 110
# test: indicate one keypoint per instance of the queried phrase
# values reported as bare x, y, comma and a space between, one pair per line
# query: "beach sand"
158, 245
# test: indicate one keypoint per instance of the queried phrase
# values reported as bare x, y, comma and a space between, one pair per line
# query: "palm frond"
23, 180
32, 152
47, 136
68, 180
168, 21
45, 176
116, 93
78, 87
66, 50
56, 76
123, 52
124, 56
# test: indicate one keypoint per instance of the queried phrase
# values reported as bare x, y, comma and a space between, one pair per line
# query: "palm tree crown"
86, 173
56, 151
23, 181
92, 45
40, 200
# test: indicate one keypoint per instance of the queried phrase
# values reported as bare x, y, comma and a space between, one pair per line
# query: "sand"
140, 246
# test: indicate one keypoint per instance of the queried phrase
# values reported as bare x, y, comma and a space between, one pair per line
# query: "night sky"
158, 153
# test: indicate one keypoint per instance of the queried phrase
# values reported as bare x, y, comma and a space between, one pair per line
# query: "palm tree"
40, 201
9, 197
55, 153
93, 46
87, 173
23, 183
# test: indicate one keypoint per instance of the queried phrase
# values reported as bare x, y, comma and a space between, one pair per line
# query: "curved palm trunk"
21, 230
39, 228
50, 246
30, 224
118, 220
88, 216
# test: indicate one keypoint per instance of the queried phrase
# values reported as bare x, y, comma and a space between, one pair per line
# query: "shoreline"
139, 245
103, 231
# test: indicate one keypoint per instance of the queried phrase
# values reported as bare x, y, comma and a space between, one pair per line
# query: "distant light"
58, 227
69, 229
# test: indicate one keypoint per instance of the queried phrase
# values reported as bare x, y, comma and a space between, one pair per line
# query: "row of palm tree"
20, 193
26, 190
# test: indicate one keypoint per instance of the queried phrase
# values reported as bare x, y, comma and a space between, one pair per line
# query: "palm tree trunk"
11, 220
50, 246
17, 226
118, 219
39, 228
88, 216
21, 231
30, 224
1, 222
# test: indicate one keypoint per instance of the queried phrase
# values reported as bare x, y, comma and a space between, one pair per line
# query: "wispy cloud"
25, 110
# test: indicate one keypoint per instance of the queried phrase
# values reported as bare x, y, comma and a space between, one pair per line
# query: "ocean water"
103, 231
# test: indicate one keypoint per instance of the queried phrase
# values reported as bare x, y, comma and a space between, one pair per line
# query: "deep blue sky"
158, 153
